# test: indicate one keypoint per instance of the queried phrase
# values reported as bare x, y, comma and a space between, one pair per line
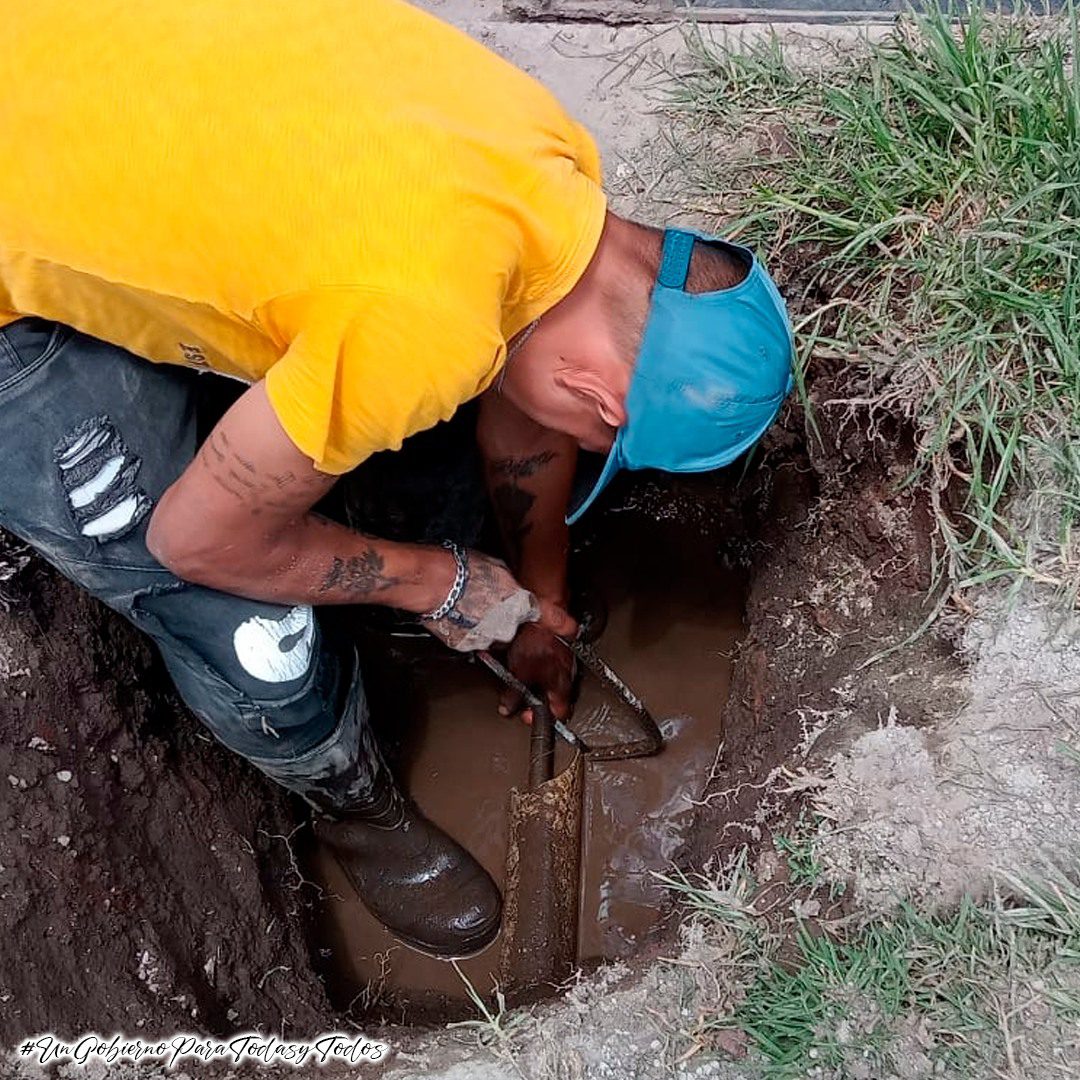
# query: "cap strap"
675, 262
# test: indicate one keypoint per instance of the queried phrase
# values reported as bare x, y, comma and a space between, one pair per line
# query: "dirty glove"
485, 606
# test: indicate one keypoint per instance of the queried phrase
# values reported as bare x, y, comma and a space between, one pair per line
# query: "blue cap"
712, 372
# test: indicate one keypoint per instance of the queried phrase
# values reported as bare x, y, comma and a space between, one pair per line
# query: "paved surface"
617, 79
614, 11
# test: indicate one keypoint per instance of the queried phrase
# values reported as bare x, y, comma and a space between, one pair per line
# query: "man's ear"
608, 401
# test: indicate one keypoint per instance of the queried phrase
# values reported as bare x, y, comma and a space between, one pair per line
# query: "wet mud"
673, 618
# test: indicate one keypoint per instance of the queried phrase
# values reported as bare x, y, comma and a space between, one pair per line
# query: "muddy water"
673, 617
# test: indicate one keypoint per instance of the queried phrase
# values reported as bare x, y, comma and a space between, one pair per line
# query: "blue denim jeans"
90, 437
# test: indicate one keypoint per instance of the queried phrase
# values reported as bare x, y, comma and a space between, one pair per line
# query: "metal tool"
530, 699
541, 895
651, 741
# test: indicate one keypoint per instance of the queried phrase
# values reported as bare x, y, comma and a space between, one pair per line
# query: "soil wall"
141, 887
840, 545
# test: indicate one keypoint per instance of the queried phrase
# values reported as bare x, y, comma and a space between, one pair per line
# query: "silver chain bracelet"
461, 579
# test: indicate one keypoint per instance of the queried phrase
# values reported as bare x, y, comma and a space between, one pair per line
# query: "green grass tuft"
988, 990
927, 196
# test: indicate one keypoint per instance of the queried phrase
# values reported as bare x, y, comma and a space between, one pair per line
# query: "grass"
990, 990
494, 1025
924, 199
800, 853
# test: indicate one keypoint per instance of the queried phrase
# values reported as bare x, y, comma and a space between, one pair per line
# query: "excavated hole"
668, 560
179, 852
659, 567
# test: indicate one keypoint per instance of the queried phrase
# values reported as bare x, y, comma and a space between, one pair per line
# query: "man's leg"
91, 436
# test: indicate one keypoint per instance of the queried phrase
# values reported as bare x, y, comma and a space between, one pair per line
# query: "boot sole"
441, 954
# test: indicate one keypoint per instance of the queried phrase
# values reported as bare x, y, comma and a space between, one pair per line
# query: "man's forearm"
530, 471
321, 562
312, 560
529, 494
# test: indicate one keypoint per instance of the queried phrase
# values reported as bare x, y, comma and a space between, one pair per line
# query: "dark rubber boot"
424, 887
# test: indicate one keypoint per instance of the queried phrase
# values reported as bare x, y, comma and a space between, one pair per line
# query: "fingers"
555, 684
560, 691
543, 664
555, 618
509, 701
559, 703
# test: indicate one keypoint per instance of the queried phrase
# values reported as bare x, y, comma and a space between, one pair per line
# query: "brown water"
674, 616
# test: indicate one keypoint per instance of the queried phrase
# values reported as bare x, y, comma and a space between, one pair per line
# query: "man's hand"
494, 608
544, 664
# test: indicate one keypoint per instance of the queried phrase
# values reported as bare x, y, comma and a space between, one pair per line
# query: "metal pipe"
541, 747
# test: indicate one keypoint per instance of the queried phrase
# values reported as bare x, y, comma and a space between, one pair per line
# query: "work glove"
492, 607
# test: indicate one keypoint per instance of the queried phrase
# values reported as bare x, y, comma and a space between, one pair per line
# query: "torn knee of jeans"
98, 474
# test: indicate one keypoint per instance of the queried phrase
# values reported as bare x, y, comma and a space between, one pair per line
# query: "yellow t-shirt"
346, 197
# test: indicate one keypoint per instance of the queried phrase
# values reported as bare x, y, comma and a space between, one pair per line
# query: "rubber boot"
424, 887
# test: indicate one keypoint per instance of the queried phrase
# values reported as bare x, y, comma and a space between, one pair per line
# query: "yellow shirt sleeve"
365, 369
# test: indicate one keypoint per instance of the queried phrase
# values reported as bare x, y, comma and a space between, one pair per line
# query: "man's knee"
262, 677
275, 651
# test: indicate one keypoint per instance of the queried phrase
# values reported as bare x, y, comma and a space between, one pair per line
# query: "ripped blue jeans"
91, 436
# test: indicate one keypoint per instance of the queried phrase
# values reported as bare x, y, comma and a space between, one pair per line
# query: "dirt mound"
141, 884
933, 815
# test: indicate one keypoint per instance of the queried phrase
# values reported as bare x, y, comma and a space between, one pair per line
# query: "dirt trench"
842, 577
147, 884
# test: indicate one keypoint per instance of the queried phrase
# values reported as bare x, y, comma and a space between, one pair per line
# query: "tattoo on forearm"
517, 468
243, 480
512, 505
359, 575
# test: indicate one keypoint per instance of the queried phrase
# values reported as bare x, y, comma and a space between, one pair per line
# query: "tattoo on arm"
244, 481
512, 502
361, 575
517, 468
257, 487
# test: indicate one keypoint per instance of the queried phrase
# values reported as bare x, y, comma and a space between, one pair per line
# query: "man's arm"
239, 519
530, 471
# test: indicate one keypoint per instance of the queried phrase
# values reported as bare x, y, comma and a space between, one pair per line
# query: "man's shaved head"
627, 301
